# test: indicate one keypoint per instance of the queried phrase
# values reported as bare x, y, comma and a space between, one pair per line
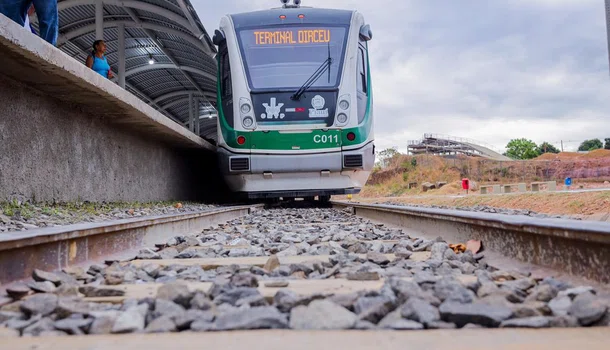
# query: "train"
294, 102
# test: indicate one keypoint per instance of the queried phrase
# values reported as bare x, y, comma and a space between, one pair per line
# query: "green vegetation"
546, 147
522, 149
386, 156
607, 145
591, 145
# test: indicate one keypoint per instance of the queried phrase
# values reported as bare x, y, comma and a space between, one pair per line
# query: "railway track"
245, 276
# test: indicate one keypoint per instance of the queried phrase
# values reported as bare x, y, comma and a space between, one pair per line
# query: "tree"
522, 149
590, 145
386, 156
607, 145
546, 147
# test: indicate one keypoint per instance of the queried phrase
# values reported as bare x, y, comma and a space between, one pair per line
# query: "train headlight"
344, 105
248, 122
245, 108
342, 118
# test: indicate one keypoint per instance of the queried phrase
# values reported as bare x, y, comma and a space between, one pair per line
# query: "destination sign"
292, 37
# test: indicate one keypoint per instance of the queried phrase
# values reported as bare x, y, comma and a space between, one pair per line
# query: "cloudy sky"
480, 69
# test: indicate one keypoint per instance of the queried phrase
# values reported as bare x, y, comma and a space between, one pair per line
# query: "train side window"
362, 83
225, 75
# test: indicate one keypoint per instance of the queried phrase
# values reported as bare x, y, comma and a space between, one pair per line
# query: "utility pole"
561, 145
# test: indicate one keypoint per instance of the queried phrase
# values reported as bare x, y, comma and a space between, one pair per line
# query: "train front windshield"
281, 58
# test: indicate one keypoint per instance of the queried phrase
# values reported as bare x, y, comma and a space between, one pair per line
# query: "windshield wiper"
314, 77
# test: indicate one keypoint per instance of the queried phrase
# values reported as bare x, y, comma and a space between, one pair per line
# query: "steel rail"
54, 248
580, 248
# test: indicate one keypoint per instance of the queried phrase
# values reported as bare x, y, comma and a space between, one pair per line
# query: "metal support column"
99, 20
191, 113
121, 29
197, 116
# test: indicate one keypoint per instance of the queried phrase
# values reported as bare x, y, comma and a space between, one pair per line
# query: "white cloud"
487, 70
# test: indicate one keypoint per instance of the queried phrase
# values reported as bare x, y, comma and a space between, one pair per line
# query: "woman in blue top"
97, 61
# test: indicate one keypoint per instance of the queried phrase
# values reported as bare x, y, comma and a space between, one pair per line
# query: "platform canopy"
158, 50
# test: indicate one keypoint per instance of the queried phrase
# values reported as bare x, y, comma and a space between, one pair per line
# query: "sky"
480, 69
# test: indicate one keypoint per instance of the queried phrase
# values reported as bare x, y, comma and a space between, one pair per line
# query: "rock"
74, 326
450, 255
530, 309
103, 321
276, 284
244, 279
93, 292
559, 285
185, 320
451, 290
232, 296
167, 308
560, 306
363, 276
563, 322
5, 301
588, 308
44, 325
523, 284
322, 315
8, 333
266, 317
147, 254
420, 311
364, 325
403, 253
290, 251
574, 292
373, 309
69, 306
477, 313
40, 304
42, 287
114, 277
201, 302
422, 277
426, 186
132, 320
394, 321
528, 322
377, 258
169, 253
66, 290
178, 292
543, 292
9, 315
18, 291
19, 324
441, 325
286, 299
41, 276
502, 276
272, 263
162, 324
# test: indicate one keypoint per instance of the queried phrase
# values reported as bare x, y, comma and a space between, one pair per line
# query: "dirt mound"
598, 153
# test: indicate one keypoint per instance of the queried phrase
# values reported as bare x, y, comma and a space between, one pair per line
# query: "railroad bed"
301, 269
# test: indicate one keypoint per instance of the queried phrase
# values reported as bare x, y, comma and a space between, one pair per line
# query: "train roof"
272, 17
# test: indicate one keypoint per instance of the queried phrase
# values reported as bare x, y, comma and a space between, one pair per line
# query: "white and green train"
295, 103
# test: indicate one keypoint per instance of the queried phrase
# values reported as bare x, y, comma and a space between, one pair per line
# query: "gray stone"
8, 333
67, 290
40, 304
201, 302
422, 277
167, 308
178, 292
322, 315
574, 292
364, 325
530, 309
203, 326
373, 309
18, 291
9, 315
441, 325
5, 301
41, 276
266, 317
147, 254
75, 326
588, 308
20, 324
185, 320
450, 255
559, 285
523, 284
286, 299
420, 311
276, 284
69, 306
403, 253
438, 250
563, 322
449, 289
394, 321
93, 292
560, 305
377, 258
103, 322
345, 300
363, 276
478, 313
244, 279
44, 325
169, 253
528, 322
272, 263
42, 287
231, 296
253, 300
161, 324
132, 320
542, 292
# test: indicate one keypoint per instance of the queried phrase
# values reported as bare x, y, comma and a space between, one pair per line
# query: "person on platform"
46, 11
97, 60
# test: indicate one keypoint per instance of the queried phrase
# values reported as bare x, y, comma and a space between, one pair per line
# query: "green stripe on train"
276, 141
